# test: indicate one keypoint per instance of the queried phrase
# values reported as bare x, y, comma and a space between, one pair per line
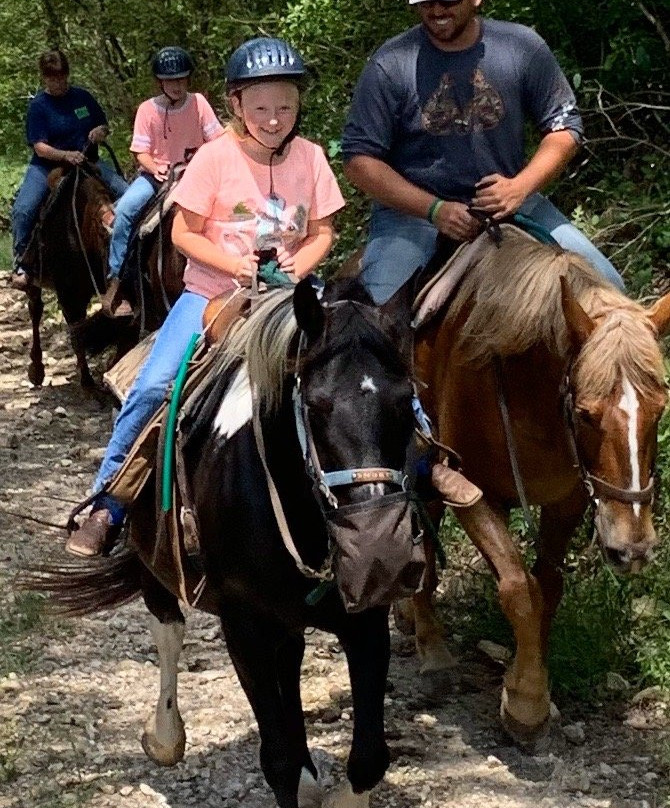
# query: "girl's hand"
161, 173
243, 268
285, 260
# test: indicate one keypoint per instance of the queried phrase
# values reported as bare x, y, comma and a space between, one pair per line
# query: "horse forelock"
623, 344
353, 331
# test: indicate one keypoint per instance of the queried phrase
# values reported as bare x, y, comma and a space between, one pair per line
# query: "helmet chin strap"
279, 150
171, 102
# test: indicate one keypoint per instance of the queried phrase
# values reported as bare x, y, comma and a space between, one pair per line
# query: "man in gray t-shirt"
437, 123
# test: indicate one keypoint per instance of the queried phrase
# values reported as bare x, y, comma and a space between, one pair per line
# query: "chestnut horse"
535, 332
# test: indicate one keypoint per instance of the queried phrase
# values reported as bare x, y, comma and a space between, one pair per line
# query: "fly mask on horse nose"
376, 543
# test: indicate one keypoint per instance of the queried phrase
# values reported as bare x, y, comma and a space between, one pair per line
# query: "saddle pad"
120, 376
437, 293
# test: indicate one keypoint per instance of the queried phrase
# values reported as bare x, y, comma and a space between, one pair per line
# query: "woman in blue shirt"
61, 121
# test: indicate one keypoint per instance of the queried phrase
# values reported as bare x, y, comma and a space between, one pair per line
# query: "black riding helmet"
261, 59
266, 59
172, 63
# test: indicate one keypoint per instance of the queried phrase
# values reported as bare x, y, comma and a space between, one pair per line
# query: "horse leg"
36, 308
164, 738
253, 646
436, 661
366, 642
558, 522
76, 327
525, 705
289, 662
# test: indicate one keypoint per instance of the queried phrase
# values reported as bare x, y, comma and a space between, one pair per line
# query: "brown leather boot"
110, 306
93, 536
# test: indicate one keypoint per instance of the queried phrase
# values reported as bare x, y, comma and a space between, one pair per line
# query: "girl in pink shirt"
257, 189
168, 130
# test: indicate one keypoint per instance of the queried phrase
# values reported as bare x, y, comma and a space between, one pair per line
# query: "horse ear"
659, 314
399, 307
580, 325
307, 309
397, 313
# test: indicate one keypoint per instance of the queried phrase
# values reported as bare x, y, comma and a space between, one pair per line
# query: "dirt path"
75, 694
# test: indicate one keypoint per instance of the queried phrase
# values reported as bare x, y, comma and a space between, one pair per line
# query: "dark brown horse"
68, 253
536, 332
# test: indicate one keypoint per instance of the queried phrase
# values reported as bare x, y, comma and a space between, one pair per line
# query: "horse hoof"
436, 684
36, 374
161, 754
310, 793
344, 797
531, 739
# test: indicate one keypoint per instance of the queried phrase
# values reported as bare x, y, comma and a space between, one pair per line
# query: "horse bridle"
595, 486
325, 481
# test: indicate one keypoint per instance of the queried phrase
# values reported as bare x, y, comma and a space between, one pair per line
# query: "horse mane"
266, 341
263, 341
511, 301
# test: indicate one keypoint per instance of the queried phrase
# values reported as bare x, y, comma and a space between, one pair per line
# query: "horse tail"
76, 589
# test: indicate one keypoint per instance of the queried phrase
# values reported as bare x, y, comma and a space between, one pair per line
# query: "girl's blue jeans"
149, 389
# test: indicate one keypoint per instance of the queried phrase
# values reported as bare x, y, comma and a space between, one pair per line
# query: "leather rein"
324, 481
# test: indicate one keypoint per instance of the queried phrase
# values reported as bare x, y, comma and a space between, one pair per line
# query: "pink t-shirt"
167, 133
233, 192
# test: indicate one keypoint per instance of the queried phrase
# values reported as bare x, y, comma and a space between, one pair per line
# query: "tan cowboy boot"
93, 536
108, 301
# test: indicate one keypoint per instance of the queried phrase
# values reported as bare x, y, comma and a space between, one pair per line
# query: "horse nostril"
618, 557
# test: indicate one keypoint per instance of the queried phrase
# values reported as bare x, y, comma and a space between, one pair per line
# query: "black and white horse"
355, 385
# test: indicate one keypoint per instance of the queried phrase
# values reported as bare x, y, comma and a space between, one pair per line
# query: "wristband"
433, 209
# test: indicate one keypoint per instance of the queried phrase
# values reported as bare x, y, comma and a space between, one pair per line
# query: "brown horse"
580, 376
68, 253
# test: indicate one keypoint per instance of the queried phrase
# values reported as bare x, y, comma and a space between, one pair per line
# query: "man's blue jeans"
399, 244
32, 192
127, 210
149, 389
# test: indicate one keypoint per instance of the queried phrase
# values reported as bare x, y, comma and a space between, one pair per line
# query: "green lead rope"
168, 452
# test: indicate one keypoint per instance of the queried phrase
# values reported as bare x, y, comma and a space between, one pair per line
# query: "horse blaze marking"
630, 405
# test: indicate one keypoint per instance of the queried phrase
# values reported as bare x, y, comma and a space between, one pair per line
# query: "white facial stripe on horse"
368, 385
375, 489
630, 405
236, 408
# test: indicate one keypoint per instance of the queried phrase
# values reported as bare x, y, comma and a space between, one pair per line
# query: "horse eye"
320, 403
587, 417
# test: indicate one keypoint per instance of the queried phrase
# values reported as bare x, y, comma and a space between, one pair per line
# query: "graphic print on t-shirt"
443, 116
278, 225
